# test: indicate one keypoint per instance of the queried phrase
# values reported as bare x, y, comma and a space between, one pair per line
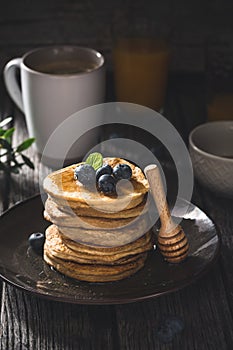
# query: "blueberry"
105, 169
36, 241
107, 184
176, 323
122, 171
165, 334
169, 328
85, 173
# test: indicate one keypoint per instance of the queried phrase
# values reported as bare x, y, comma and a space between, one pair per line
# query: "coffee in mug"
56, 82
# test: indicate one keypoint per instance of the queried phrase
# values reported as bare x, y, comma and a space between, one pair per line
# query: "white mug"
56, 82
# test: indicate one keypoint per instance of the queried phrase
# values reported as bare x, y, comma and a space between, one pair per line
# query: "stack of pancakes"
95, 237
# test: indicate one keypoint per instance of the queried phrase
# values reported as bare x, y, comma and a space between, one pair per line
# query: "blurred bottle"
141, 57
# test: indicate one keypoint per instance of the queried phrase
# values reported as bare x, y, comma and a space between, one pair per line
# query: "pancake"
58, 211
94, 265
109, 205
107, 237
61, 247
87, 222
93, 273
69, 218
63, 189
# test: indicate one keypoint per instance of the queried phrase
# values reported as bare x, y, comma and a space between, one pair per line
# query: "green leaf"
9, 163
25, 144
27, 161
8, 133
5, 144
5, 121
95, 160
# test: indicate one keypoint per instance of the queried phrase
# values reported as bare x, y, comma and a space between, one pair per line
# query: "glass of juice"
141, 57
219, 78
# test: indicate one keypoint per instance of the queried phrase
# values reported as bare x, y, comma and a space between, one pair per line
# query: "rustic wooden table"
204, 308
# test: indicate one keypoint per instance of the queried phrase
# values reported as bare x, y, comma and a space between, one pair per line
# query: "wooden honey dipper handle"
172, 242
156, 186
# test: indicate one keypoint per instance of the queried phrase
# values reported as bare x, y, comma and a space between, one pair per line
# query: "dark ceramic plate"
21, 267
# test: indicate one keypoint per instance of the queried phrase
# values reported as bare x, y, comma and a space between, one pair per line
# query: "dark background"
27, 24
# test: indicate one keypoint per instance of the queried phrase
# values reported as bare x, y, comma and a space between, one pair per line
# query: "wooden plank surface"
204, 308
32, 323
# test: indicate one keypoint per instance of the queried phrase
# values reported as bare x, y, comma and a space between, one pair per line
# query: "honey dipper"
172, 242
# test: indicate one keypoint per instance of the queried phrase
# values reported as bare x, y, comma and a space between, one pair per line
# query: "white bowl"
211, 152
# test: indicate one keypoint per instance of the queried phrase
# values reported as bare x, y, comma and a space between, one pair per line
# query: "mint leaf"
95, 160
25, 144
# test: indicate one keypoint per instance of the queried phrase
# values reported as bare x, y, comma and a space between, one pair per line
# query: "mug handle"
11, 82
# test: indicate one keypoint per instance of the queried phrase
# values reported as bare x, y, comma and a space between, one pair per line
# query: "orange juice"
221, 107
141, 70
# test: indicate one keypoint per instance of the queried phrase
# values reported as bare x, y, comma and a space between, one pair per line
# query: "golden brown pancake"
86, 222
109, 206
93, 264
107, 237
63, 189
62, 247
69, 218
59, 211
92, 273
